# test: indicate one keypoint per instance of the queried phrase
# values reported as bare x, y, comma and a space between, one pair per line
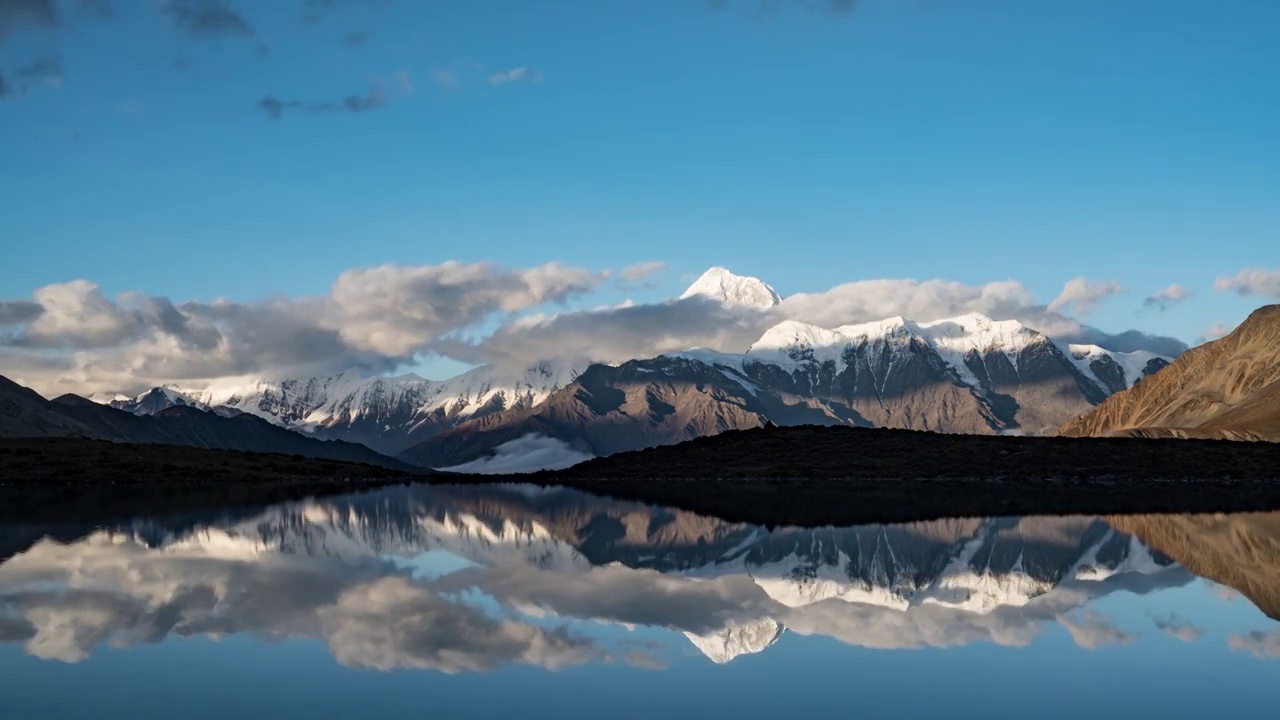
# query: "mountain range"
968, 374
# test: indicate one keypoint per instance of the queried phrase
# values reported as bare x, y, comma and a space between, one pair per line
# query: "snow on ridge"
1132, 363
791, 343
307, 403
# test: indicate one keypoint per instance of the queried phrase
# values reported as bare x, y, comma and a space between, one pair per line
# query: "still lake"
506, 601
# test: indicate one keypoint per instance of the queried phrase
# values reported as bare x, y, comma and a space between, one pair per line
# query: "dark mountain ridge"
25, 414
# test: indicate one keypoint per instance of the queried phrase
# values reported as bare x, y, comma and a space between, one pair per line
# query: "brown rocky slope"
1228, 389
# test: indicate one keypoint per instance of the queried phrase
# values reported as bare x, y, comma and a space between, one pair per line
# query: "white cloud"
1083, 295
514, 75
1251, 281
641, 271
397, 310
1167, 297
525, 454
77, 314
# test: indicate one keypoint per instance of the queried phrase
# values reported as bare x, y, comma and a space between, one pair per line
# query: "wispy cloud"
47, 70
274, 107
211, 20
19, 14
515, 75
208, 19
1083, 295
641, 271
1166, 298
101, 9
446, 78
1251, 281
400, 84
768, 8
315, 11
356, 38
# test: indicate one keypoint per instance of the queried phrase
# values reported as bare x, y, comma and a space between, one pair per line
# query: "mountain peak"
730, 289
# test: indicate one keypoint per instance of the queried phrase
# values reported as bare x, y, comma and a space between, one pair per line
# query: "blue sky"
976, 142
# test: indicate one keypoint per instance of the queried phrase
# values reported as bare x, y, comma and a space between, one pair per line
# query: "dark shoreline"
841, 475
859, 501
76, 480
772, 476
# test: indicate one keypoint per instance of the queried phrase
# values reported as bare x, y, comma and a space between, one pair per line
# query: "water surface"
500, 601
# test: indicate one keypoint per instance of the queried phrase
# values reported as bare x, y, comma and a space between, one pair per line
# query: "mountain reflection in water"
470, 579
474, 580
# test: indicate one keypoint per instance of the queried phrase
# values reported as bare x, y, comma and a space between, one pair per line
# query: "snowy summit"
732, 289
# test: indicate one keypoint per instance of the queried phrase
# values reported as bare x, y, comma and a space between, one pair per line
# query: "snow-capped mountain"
720, 284
967, 374
155, 400
731, 589
388, 414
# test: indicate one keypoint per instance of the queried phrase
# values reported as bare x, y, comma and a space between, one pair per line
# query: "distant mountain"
968, 374
25, 414
720, 284
388, 414
1228, 388
159, 399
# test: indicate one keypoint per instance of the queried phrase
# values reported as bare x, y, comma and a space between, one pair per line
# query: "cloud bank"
369, 612
72, 337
